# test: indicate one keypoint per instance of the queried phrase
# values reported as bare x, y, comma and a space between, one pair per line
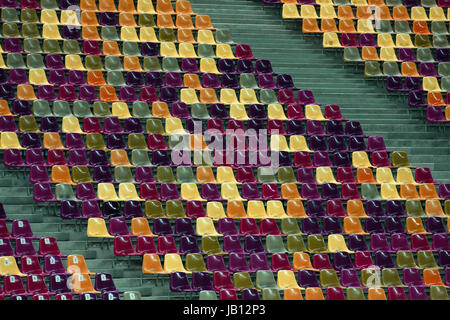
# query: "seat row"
389, 3
422, 55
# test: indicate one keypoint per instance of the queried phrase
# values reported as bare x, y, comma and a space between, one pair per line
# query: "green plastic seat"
140, 158
195, 263
199, 111
109, 33
385, 26
35, 61
295, 243
290, 226
175, 209
28, 124
113, 63
28, 16
223, 36
329, 278
210, 245
402, 26
370, 277
205, 50
154, 209
440, 41
394, 3
152, 64
9, 15
166, 35
438, 293
438, 27
351, 54
247, 81
369, 191
146, 20
445, 84
447, 207
132, 295
164, 174
30, 30
390, 68
202, 158
444, 69
153, 125
428, 3
355, 293
414, 208
405, 259
185, 174
422, 41
15, 60
140, 109
95, 141
275, 244
178, 142
265, 280
101, 109
390, 277
286, 175
268, 96
122, 174
51, 46
32, 45
49, 4
265, 175
41, 108
341, 2
10, 30
131, 49
400, 159
64, 191
61, 109
372, 69
424, 55
81, 109
81, 174
170, 64
115, 78
71, 47
425, 259
136, 141
316, 243
242, 280
207, 295
270, 294
93, 63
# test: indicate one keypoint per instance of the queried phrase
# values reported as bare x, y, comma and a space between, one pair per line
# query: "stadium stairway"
332, 82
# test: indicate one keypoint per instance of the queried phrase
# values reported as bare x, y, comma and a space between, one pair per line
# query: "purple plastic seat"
252, 243
269, 226
396, 293
419, 242
232, 243
132, 209
245, 175
189, 65
349, 40
423, 175
49, 124
314, 128
444, 258
104, 282
374, 208
70, 210
440, 241
374, 225
444, 191
394, 84
413, 84
442, 54
337, 143
412, 277
112, 125
245, 65
237, 262
249, 294
128, 94
250, 191
144, 174
417, 293
275, 127
42, 192
280, 261
124, 247
67, 93
173, 80
133, 125
435, 114
188, 244
406, 54
145, 244
12, 45
258, 261
13, 158
102, 174
394, 208
20, 107
378, 241
85, 191
310, 191
18, 76
183, 226
90, 209
263, 66
134, 78
335, 128
218, 110
180, 110
118, 227
161, 158
375, 143
295, 127
108, 19
210, 80
166, 244
153, 79
394, 225
221, 282
330, 191
349, 278
226, 66
71, 33
149, 49
322, 159
195, 209
426, 69
169, 191
342, 260
285, 81
399, 241
74, 141
314, 208
215, 262
162, 226
248, 226
331, 225
270, 191
230, 81
357, 242
8, 124
54, 61
311, 225
335, 293
353, 128
435, 225
308, 279
383, 259
91, 47
305, 97
367, 40
7, 92
335, 209
58, 283
31, 140
201, 281
34, 157
24, 247
257, 111
87, 93
76, 77
266, 81
115, 141
168, 94
321, 261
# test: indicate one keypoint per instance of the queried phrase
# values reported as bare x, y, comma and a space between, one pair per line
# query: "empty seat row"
407, 55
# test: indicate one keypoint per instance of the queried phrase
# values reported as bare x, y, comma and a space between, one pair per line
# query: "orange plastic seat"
363, 12
355, 208
369, 54
95, 78
52, 140
435, 98
346, 26
289, 191
108, 93
292, 294
88, 5
25, 92
309, 25
191, 80
140, 227
415, 225
295, 209
364, 175
89, 32
164, 7
431, 277
127, 6
184, 7
345, 12
77, 264
314, 293
352, 225
301, 261
119, 158
131, 63
428, 191
236, 209
376, 294
328, 25
400, 13
203, 22
61, 174
197, 142
185, 35
408, 191
127, 19
208, 96
184, 22
409, 69
160, 110
111, 48
88, 18
420, 26
433, 208
151, 264
107, 5
376, 3
4, 108
165, 21
382, 12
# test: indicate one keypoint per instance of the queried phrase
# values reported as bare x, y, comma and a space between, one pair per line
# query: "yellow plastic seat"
256, 209
437, 14
51, 31
120, 110
384, 175
278, 143
290, 11
247, 96
145, 6
186, 50
276, 111
403, 40
297, 143
331, 40
168, 49
336, 242
358, 2
9, 140
237, 110
313, 112
388, 54
430, 84
151, 264
286, 279
205, 36
389, 191
37, 77
49, 16
128, 34
360, 159
173, 263
229, 191
224, 51
208, 65
418, 13
275, 209
174, 126
8, 266
96, 228
106, 192
69, 17
327, 11
365, 26
404, 175
225, 174
188, 96
189, 192
147, 34
70, 124
325, 175
215, 210
204, 226
385, 40
127, 192
308, 11
73, 62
